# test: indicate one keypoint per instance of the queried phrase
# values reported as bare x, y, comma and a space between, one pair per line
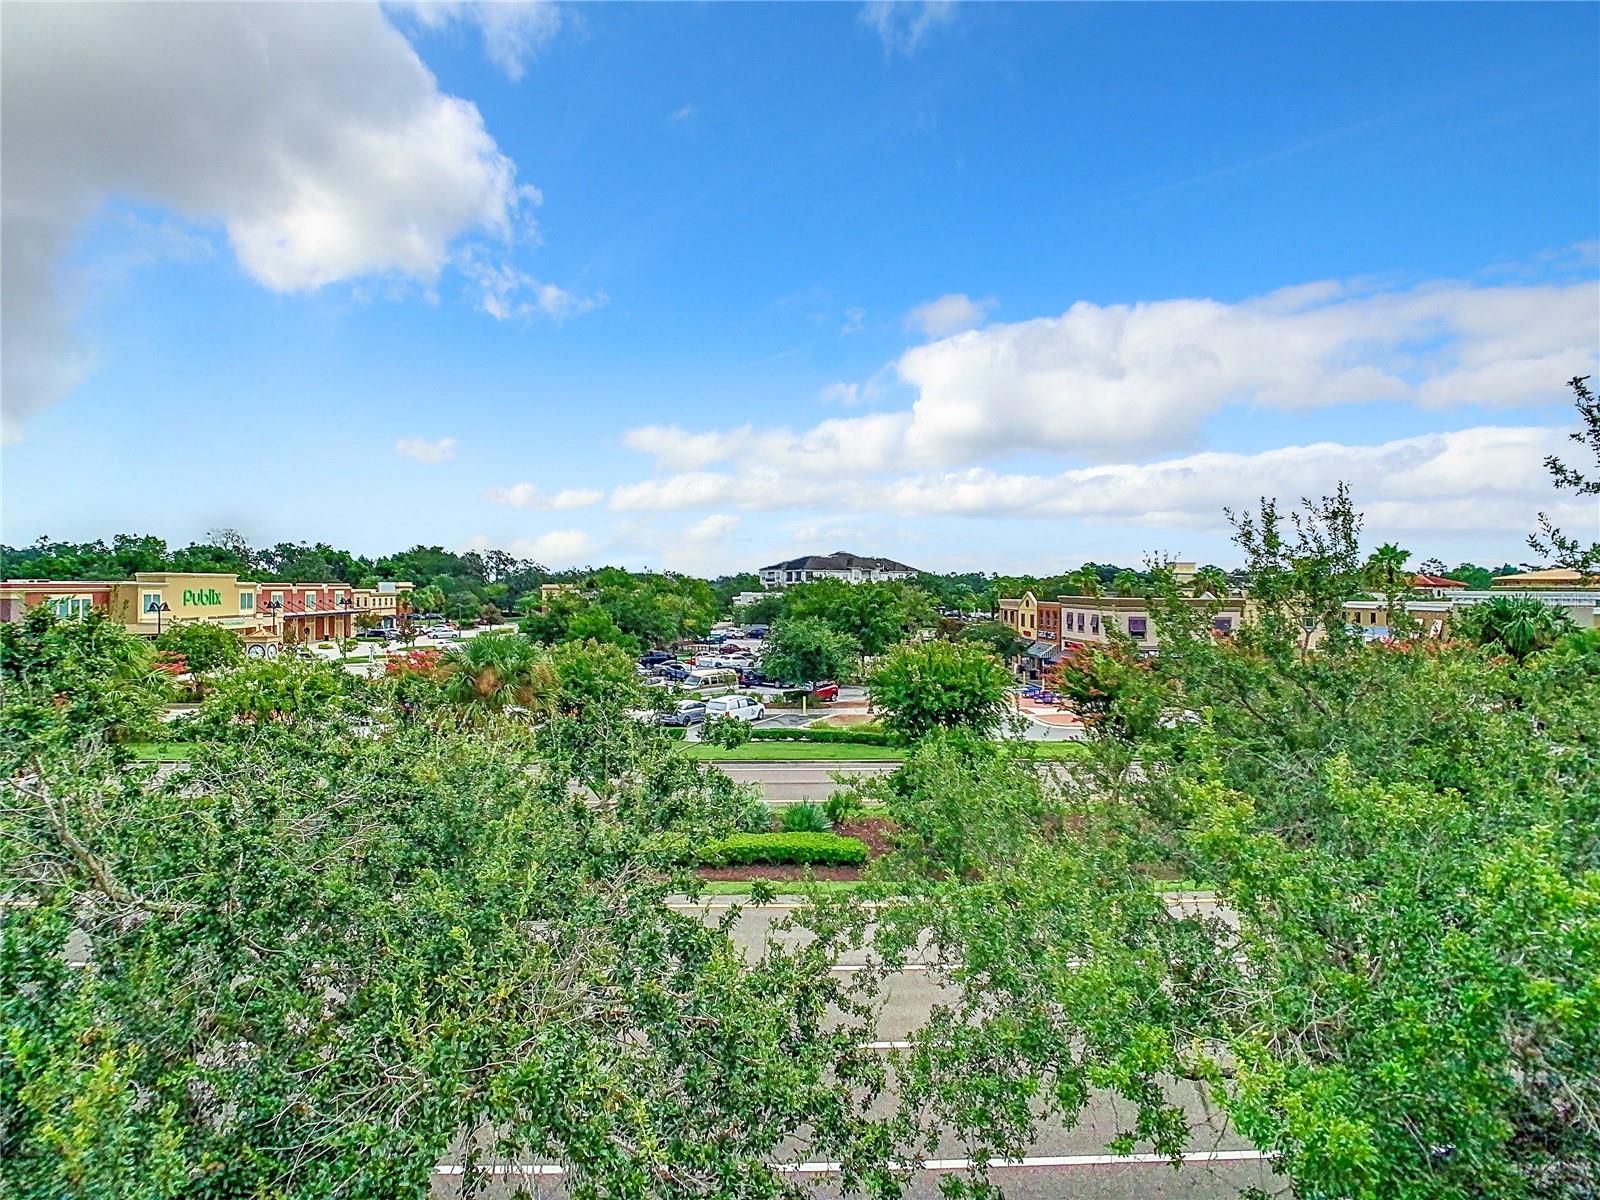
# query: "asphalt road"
794, 782
1064, 1160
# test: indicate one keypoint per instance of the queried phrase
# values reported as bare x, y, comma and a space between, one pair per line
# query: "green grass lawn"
161, 751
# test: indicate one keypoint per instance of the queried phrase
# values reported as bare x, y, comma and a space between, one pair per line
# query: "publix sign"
204, 597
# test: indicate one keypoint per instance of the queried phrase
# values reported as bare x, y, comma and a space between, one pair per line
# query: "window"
1137, 626
147, 602
70, 606
1080, 622
1094, 623
247, 601
1223, 624
311, 601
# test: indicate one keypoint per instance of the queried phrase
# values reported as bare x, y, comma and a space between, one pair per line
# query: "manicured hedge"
858, 737
783, 849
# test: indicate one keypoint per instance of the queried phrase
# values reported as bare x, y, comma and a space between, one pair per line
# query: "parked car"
673, 670
753, 679
741, 708
655, 658
375, 635
756, 631
825, 690
713, 677
686, 712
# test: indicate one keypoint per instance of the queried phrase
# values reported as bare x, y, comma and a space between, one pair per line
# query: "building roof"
1550, 577
840, 560
1435, 581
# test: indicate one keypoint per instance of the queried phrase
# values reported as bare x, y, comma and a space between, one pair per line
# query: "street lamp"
274, 606
158, 607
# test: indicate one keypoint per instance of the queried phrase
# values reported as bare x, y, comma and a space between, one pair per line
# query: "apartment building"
842, 565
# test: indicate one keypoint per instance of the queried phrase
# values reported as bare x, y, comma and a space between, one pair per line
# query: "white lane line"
850, 968
1032, 1162
886, 1045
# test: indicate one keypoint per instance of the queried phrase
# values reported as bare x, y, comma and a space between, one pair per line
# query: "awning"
1043, 650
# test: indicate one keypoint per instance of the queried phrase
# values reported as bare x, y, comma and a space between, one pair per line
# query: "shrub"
805, 818
841, 806
726, 731
784, 849
858, 737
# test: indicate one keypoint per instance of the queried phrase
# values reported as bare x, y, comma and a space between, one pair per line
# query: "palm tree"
1387, 570
493, 670
1387, 565
1519, 625
1126, 583
1212, 581
1084, 582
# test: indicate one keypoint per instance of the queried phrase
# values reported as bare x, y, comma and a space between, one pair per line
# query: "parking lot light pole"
159, 607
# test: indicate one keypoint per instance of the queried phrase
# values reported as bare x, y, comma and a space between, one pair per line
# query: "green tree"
428, 599
283, 691
595, 624
320, 960
592, 675
1126, 583
999, 637
1211, 580
1386, 570
804, 650
1549, 541
493, 670
62, 681
1519, 625
922, 686
206, 647
1400, 998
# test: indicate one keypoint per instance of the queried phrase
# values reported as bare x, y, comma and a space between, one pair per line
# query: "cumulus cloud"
1108, 383
557, 548
1487, 479
513, 31
312, 135
714, 528
527, 495
954, 313
903, 24
425, 451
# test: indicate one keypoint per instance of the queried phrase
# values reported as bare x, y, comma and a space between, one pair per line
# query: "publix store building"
266, 615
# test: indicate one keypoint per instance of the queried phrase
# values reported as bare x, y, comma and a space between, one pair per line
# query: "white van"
741, 708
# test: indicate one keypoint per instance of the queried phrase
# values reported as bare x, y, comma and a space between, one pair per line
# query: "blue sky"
702, 286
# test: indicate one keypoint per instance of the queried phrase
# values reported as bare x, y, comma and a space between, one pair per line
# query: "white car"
741, 708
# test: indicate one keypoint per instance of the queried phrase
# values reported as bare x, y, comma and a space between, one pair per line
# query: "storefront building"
153, 601
387, 602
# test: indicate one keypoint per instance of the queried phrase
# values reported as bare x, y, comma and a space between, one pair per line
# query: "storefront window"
147, 602
247, 601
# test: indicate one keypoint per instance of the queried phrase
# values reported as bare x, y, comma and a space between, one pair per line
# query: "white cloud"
902, 24
681, 114
1487, 479
855, 318
847, 394
714, 528
562, 547
527, 495
425, 451
557, 548
507, 292
513, 31
1122, 382
954, 313
312, 135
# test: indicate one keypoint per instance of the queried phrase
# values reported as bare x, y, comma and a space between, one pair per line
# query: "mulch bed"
876, 832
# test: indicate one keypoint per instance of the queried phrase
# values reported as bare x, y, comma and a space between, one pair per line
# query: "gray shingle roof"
839, 560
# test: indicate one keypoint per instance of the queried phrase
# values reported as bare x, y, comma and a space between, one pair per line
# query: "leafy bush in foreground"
781, 849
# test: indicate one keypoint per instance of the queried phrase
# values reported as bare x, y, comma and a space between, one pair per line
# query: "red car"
826, 690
